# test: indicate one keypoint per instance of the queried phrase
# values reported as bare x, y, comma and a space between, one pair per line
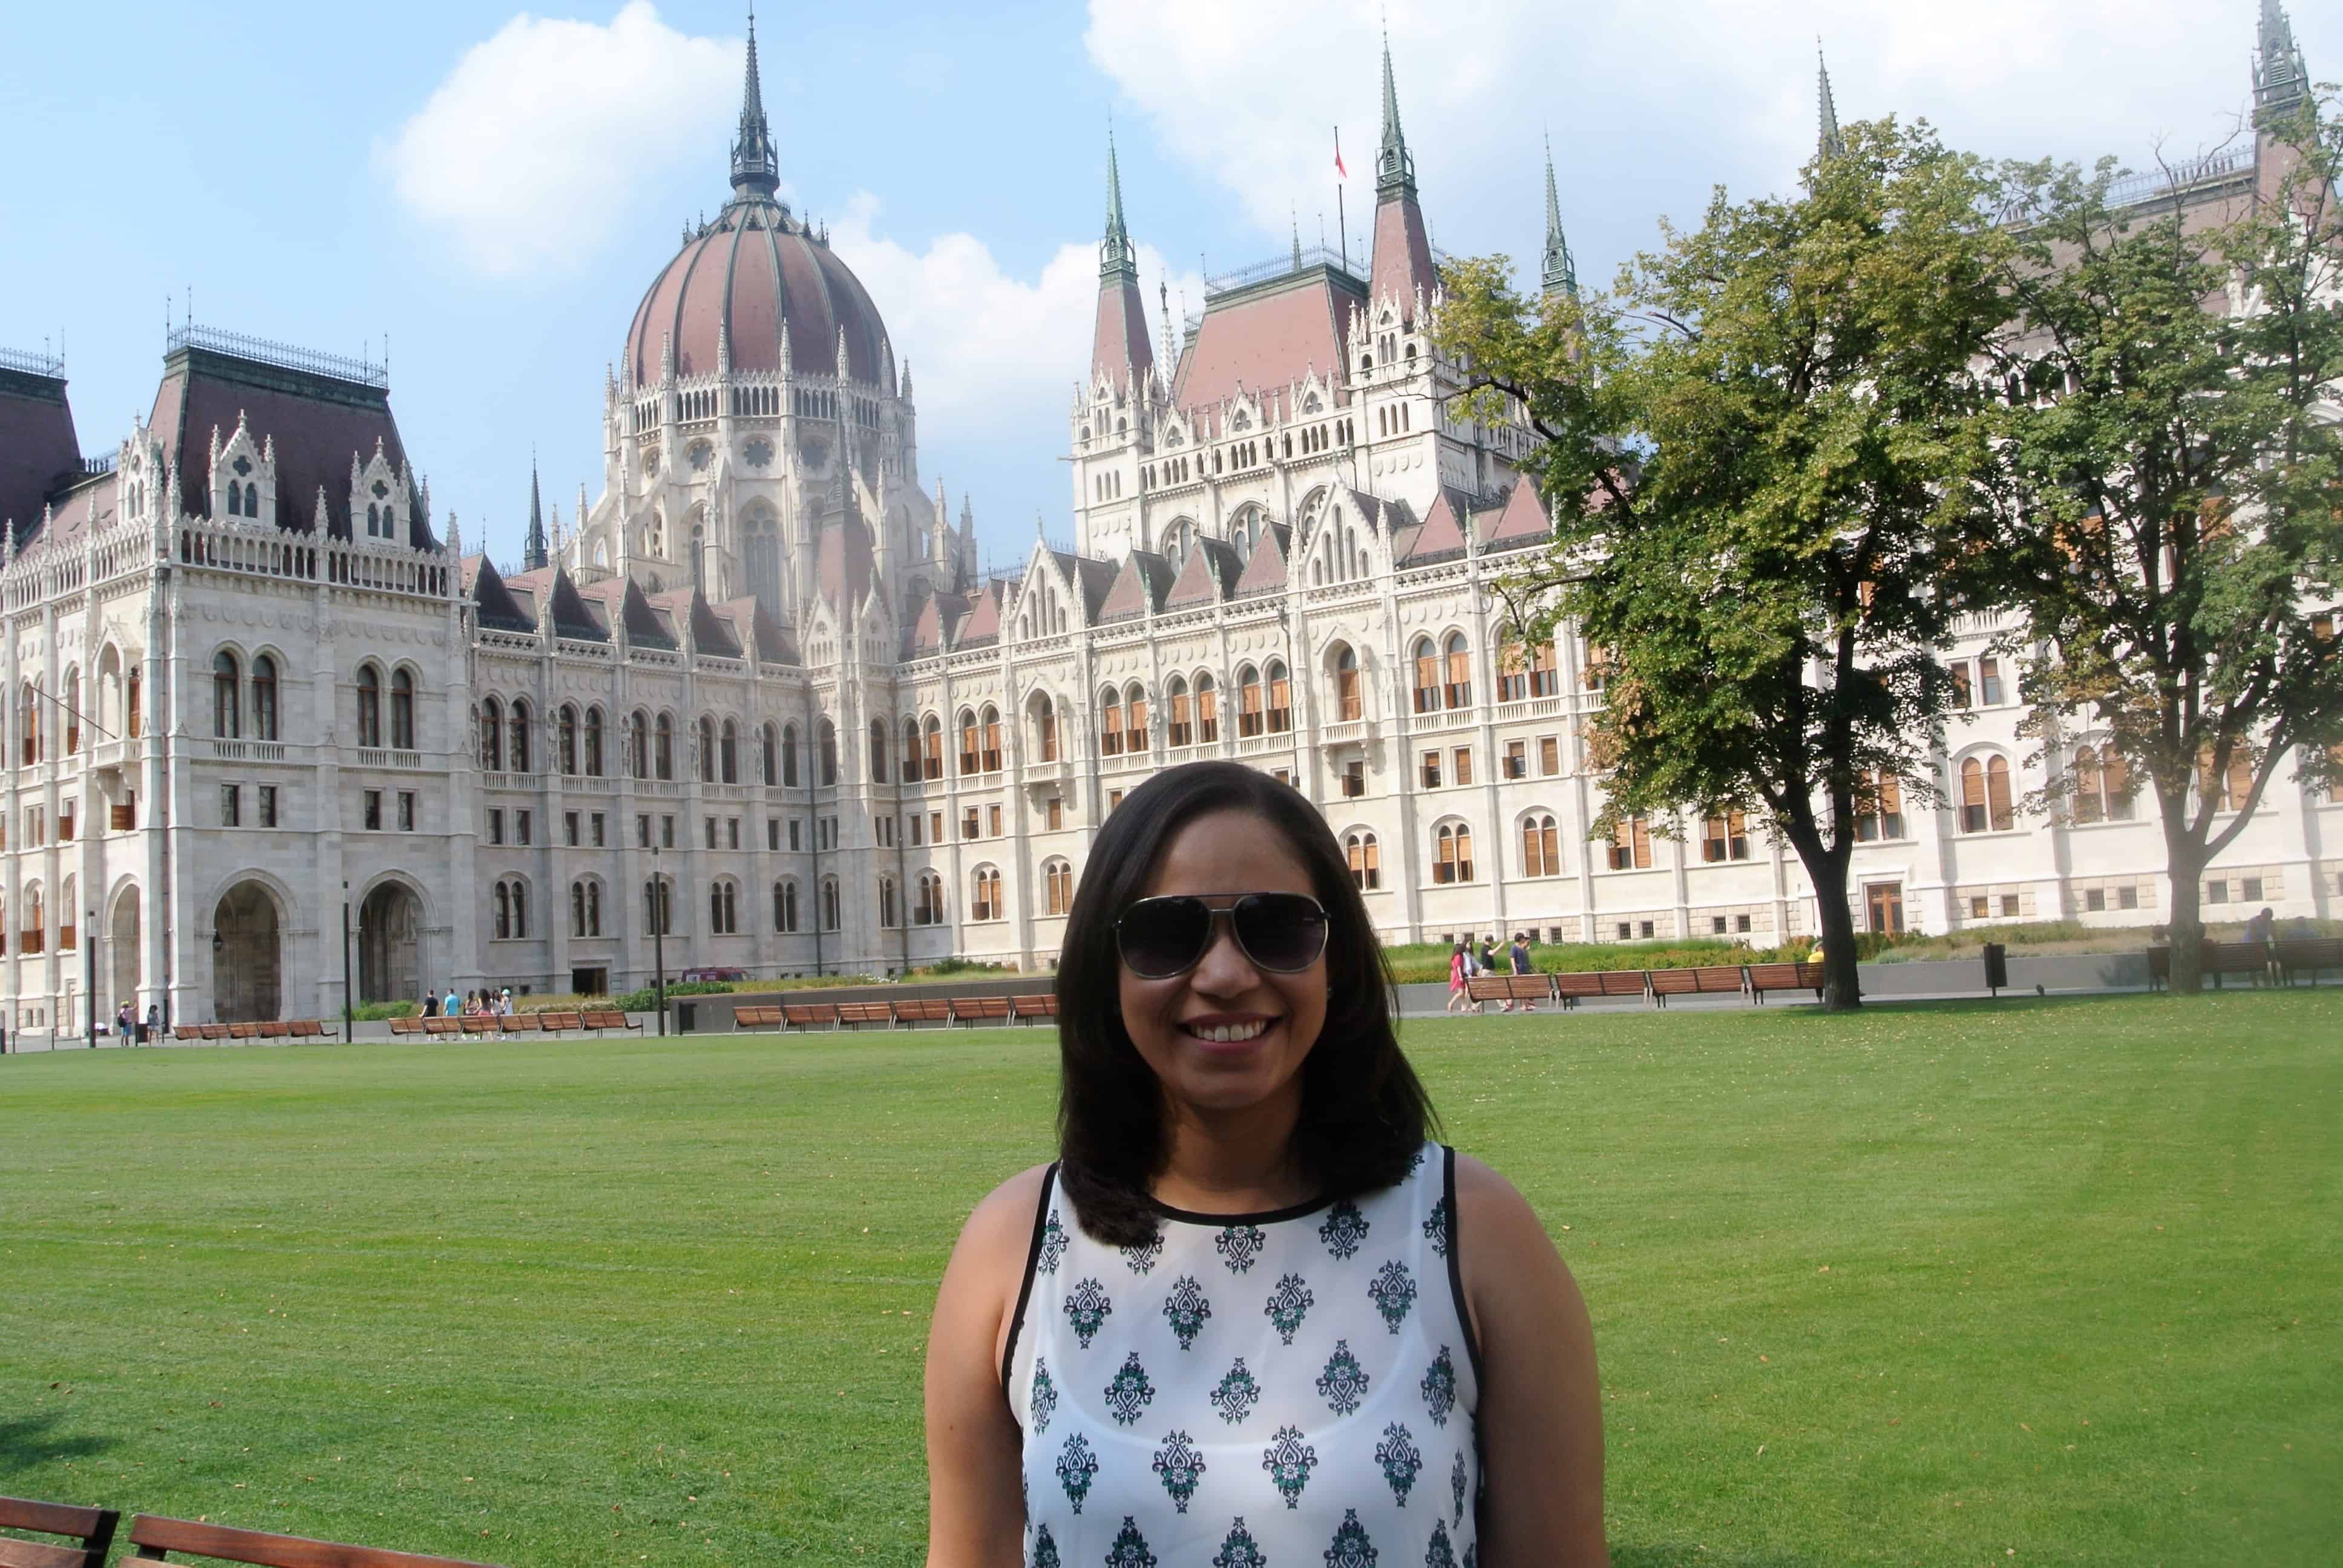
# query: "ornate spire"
1395, 169
1829, 144
756, 169
533, 551
2281, 81
1117, 259
1561, 270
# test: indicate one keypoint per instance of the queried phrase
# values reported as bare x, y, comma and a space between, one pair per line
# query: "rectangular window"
794, 844
1431, 770
1989, 682
707, 831
1647, 930
1113, 798
829, 832
992, 821
918, 823
370, 812
407, 815
731, 832
1354, 779
1517, 758
521, 827
935, 826
1054, 813
1280, 702
1631, 845
1980, 907
2251, 892
1723, 838
599, 823
2009, 906
2127, 897
1549, 755
65, 822
1741, 923
667, 832
2095, 898
268, 804
772, 832
1208, 715
570, 829
1626, 932
231, 805
1463, 758
1960, 673
642, 830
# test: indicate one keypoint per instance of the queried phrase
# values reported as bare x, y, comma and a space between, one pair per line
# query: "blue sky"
490, 189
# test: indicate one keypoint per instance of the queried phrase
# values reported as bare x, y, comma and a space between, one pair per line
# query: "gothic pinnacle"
1829, 144
1395, 169
756, 169
1561, 270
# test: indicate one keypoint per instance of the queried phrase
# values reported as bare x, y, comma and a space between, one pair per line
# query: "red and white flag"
1338, 154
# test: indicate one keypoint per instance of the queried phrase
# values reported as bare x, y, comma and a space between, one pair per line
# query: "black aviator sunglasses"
1283, 933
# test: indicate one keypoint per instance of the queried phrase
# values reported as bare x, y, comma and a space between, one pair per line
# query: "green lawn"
1932, 1285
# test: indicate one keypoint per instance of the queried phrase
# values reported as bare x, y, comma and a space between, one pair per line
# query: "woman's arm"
976, 1515
1541, 1405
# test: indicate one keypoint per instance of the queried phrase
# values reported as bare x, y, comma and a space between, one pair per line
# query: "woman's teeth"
1226, 1033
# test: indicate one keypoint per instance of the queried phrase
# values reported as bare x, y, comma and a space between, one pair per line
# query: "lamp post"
350, 1013
659, 941
219, 945
89, 971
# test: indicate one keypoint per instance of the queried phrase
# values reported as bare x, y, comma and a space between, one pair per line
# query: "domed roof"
750, 272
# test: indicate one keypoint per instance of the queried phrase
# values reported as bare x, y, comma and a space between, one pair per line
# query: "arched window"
577, 908
768, 753
1725, 838
790, 756
227, 712
910, 751
933, 766
133, 713
1208, 711
1425, 662
728, 753
829, 903
2228, 788
1058, 880
264, 699
1985, 795
1249, 703
501, 901
1111, 723
519, 908
1460, 671
1135, 739
658, 906
235, 504
887, 920
969, 742
593, 908
2102, 786
723, 908
1350, 695
992, 757
67, 932
878, 751
663, 747
519, 736
28, 723
1280, 698
73, 711
492, 736
930, 909
402, 709
785, 906
638, 744
1540, 846
594, 743
370, 706
1526, 672
1179, 722
1365, 857
829, 754
565, 731
1879, 806
984, 895
707, 728
1452, 854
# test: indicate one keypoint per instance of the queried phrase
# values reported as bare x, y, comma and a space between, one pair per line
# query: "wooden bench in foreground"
410, 1024
156, 1536
854, 1014
1701, 980
924, 1010
747, 1018
90, 1531
979, 1010
443, 1025
607, 1018
1025, 1008
557, 1022
2309, 956
1570, 987
809, 1014
1764, 977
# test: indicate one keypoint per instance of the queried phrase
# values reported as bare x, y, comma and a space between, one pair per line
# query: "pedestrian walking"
1460, 971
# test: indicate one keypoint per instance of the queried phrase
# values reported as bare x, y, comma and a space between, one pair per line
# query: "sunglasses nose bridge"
1224, 955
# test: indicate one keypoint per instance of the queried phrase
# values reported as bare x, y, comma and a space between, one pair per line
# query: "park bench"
311, 1029
442, 1025
862, 1012
244, 1031
1701, 980
478, 1023
748, 1018
156, 1536
1024, 1008
807, 1014
555, 1022
979, 1010
923, 1009
518, 1023
1764, 977
1528, 990
1570, 987
91, 1530
277, 1028
2249, 958
2309, 956
186, 1031
411, 1024
607, 1018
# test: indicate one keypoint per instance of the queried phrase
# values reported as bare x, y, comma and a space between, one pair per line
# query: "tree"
2174, 441
1764, 452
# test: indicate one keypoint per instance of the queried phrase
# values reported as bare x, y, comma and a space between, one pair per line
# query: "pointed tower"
755, 167
1828, 143
1561, 271
534, 553
1402, 258
1119, 349
2281, 81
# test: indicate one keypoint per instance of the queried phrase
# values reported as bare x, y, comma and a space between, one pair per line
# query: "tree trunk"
1842, 989
2184, 864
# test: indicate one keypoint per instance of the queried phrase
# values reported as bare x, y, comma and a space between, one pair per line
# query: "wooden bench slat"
155, 1535
862, 1012
91, 1528
41, 1554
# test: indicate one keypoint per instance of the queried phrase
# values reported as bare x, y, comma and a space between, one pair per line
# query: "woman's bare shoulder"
1491, 1207
1008, 1209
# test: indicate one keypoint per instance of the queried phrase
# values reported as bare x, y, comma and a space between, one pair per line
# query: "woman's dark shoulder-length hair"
1365, 1113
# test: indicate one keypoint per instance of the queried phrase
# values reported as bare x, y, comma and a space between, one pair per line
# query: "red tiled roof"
619, 598
1262, 340
1265, 572
982, 623
1443, 532
37, 449
1119, 348
1206, 575
1522, 517
1402, 253
752, 626
1130, 595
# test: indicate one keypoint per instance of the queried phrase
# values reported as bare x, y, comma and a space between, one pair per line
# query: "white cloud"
993, 356
546, 138
1649, 104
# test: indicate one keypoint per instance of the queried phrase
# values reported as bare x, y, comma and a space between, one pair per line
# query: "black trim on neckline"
1456, 1272
1025, 1291
1265, 1217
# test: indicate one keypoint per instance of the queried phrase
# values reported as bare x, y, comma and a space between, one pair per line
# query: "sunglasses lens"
1162, 937
1280, 931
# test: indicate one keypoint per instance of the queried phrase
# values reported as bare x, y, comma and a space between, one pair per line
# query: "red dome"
753, 269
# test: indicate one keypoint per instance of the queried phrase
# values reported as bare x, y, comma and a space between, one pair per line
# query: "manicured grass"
1930, 1285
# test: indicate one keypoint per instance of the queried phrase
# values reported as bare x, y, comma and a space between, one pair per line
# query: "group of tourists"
130, 1026
1466, 964
488, 1002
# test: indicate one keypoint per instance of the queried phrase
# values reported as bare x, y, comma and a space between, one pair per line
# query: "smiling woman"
1239, 1126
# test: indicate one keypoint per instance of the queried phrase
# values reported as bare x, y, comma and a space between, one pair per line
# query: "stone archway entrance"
390, 946
247, 962
124, 937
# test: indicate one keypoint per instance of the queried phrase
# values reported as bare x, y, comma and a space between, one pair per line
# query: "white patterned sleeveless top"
1293, 1387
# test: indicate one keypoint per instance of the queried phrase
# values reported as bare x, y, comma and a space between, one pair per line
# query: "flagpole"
1342, 221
